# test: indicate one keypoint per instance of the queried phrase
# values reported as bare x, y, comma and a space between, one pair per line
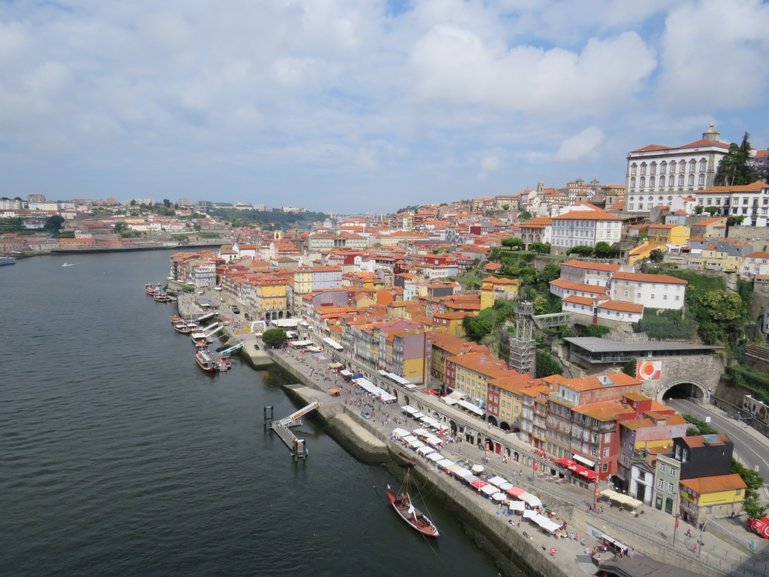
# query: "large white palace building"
656, 173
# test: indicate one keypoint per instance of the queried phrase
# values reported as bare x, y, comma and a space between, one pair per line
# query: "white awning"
499, 497
421, 432
585, 461
435, 457
531, 500
497, 481
424, 451
445, 464
417, 415
409, 409
399, 433
471, 407
489, 490
516, 506
333, 344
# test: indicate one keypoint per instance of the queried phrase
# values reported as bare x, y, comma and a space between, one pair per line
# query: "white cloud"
580, 145
488, 164
714, 54
454, 65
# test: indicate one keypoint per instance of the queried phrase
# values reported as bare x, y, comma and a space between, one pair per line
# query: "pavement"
653, 527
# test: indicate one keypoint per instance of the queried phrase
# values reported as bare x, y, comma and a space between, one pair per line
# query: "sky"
352, 106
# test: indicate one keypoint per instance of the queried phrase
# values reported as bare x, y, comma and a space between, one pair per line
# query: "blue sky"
352, 106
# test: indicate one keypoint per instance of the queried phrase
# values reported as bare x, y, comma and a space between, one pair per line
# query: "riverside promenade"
650, 532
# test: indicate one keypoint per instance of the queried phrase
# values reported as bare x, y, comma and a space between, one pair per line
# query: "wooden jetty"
296, 446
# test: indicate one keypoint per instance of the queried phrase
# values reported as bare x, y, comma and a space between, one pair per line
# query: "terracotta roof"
621, 306
591, 265
651, 148
537, 222
715, 484
757, 254
603, 410
654, 278
575, 286
699, 440
756, 186
579, 300
587, 215
704, 143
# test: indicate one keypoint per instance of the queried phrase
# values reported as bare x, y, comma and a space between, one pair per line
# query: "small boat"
406, 510
152, 289
66, 264
205, 362
185, 328
7, 260
176, 319
224, 365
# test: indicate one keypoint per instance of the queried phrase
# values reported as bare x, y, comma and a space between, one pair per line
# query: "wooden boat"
205, 362
223, 364
185, 328
176, 319
402, 504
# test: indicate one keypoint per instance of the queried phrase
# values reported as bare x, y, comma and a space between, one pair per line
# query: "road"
750, 447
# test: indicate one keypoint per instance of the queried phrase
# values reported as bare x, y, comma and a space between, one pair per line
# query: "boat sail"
402, 504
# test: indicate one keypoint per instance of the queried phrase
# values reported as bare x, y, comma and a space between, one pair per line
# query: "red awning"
564, 462
515, 491
478, 483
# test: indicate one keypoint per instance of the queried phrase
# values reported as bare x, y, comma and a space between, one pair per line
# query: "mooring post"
268, 416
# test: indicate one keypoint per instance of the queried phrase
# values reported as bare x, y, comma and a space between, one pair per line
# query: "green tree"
629, 368
720, 314
274, 337
513, 243
734, 220
656, 255
525, 215
734, 168
605, 250
477, 327
166, 203
540, 247
547, 365
698, 209
596, 331
580, 250
120, 227
712, 210
752, 505
53, 224
549, 272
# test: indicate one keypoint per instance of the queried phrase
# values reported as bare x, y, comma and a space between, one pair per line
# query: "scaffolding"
522, 352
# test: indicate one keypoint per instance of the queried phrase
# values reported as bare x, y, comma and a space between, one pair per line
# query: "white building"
585, 225
755, 264
603, 308
750, 201
592, 273
656, 173
656, 291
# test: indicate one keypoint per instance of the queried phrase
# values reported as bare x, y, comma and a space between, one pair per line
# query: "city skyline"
349, 107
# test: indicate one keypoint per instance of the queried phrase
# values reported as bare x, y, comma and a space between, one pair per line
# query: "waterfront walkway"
653, 529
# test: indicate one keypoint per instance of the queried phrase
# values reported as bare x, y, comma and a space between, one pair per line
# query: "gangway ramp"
296, 446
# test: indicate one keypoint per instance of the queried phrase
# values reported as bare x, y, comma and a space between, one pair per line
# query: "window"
660, 484
670, 487
606, 452
662, 467
680, 180
643, 168
633, 168
691, 180
701, 181
662, 181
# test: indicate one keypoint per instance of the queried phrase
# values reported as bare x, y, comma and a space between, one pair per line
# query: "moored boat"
152, 289
205, 362
7, 260
223, 365
402, 504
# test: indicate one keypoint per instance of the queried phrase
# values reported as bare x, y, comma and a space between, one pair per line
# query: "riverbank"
517, 551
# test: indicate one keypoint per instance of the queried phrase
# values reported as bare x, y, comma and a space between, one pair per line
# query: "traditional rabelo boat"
402, 504
205, 362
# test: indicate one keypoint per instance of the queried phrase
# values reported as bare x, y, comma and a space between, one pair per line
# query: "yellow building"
713, 259
676, 234
270, 297
719, 496
494, 288
643, 251
450, 323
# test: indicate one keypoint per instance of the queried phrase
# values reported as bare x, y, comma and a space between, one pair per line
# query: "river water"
118, 456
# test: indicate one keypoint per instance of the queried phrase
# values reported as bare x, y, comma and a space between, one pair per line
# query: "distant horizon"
351, 107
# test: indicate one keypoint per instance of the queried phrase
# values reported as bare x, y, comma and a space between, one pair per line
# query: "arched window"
701, 181
662, 181
643, 181
633, 168
653, 169
692, 165
682, 167
691, 180
632, 183
663, 167
651, 180
703, 165
680, 180
643, 169
673, 167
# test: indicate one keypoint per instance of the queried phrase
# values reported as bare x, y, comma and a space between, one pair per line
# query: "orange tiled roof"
575, 286
715, 484
654, 278
591, 265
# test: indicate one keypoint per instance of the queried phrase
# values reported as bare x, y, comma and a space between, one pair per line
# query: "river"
118, 456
